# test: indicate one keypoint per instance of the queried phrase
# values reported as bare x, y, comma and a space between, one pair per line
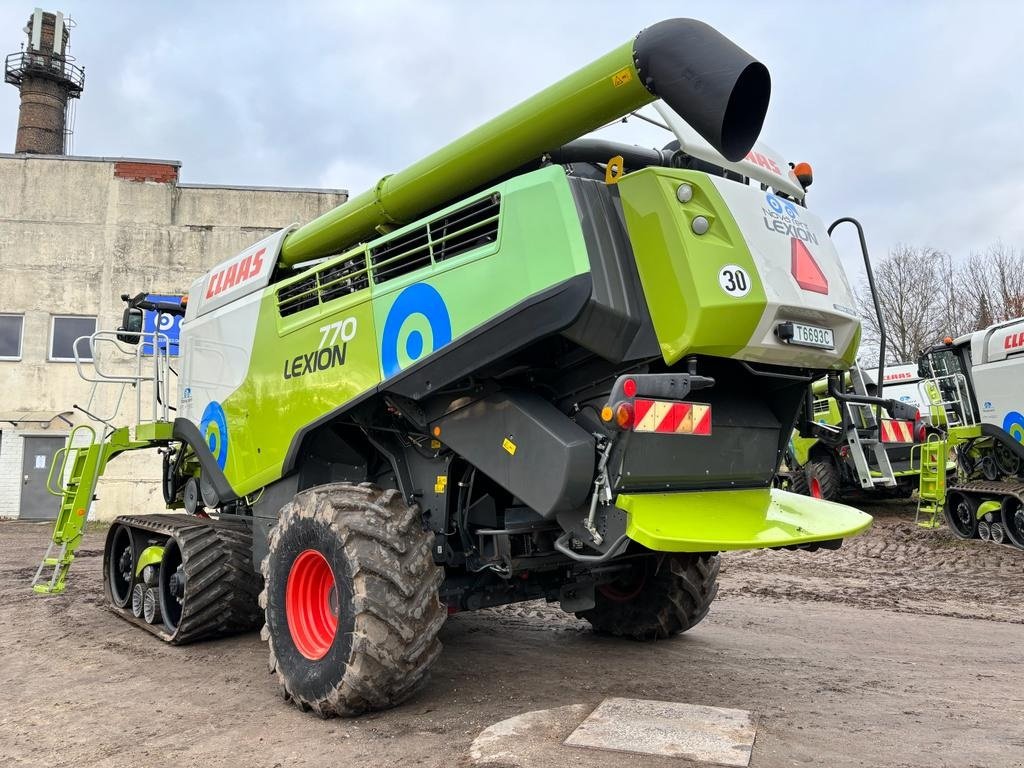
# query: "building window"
11, 328
63, 333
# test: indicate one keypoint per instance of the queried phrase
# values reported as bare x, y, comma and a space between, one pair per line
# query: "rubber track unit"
390, 601
995, 490
222, 587
674, 597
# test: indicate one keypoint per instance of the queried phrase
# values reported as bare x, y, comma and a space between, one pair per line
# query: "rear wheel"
822, 479
798, 481
662, 596
351, 600
961, 515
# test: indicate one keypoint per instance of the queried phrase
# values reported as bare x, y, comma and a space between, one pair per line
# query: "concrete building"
76, 233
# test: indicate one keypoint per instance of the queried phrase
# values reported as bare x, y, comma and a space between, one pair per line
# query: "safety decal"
734, 280
674, 417
214, 426
1013, 423
897, 431
417, 325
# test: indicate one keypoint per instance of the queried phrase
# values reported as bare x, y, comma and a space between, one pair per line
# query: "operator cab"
948, 366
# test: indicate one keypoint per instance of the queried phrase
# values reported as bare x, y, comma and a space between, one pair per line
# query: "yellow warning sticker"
441, 483
435, 444
509, 446
622, 77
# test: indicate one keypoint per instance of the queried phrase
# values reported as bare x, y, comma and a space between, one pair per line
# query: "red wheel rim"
623, 593
311, 605
815, 488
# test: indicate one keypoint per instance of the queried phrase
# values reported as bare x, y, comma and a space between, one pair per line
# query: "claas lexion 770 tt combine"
527, 366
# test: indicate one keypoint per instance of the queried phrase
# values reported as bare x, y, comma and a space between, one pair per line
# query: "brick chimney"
48, 80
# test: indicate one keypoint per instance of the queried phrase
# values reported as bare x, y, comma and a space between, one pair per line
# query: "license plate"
813, 336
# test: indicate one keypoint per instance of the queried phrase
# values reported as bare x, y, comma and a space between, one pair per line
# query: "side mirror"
131, 326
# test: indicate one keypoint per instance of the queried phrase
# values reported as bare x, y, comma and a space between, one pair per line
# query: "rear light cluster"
657, 416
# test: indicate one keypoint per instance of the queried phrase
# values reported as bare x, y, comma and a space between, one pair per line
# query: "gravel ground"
904, 648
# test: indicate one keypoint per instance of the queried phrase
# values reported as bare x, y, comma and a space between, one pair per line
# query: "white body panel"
997, 369
902, 383
769, 236
233, 278
762, 163
219, 328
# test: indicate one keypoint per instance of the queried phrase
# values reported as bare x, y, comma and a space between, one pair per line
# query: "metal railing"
22, 63
153, 368
953, 404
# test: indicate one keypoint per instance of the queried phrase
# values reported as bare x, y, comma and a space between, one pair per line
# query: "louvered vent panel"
470, 227
326, 284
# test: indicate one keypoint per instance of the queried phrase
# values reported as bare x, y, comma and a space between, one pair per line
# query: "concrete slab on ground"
669, 729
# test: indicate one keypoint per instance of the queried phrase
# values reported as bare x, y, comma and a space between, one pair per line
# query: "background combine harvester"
526, 366
854, 450
977, 400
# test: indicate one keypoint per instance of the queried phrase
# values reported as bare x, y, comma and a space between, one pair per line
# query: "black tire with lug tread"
384, 590
671, 595
822, 479
798, 481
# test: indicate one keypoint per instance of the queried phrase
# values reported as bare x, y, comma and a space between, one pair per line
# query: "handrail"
157, 371
65, 452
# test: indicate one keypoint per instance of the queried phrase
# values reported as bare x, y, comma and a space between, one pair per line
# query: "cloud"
909, 115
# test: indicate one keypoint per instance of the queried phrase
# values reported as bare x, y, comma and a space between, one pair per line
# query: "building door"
36, 502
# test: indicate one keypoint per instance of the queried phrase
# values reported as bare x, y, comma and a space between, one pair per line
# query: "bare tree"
916, 302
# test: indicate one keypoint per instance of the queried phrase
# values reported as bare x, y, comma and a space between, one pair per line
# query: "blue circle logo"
417, 325
1013, 423
214, 426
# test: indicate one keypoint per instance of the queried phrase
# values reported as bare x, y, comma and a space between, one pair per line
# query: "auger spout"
713, 84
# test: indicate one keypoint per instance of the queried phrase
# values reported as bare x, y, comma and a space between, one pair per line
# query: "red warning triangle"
806, 270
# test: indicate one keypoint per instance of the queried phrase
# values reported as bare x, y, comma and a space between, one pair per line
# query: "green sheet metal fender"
150, 556
709, 521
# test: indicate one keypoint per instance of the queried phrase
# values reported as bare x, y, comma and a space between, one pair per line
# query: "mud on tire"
665, 595
384, 599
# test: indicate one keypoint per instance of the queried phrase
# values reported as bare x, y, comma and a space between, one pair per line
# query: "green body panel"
150, 556
540, 244
826, 411
710, 521
584, 101
155, 431
672, 262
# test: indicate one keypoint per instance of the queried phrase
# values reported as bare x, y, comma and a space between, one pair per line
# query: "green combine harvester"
528, 366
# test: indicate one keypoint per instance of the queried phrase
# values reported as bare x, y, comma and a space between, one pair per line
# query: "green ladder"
931, 493
80, 468
75, 489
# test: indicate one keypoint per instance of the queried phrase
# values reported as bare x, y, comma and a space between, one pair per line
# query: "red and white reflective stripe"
666, 417
897, 431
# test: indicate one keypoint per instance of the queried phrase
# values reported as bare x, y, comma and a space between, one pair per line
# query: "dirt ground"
905, 648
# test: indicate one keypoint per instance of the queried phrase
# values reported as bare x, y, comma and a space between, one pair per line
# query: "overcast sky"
911, 113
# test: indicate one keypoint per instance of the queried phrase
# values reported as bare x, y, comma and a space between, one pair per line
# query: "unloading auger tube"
712, 83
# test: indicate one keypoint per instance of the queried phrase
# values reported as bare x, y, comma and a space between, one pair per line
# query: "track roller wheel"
961, 515
138, 600
1013, 522
661, 596
822, 479
997, 532
351, 600
984, 532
